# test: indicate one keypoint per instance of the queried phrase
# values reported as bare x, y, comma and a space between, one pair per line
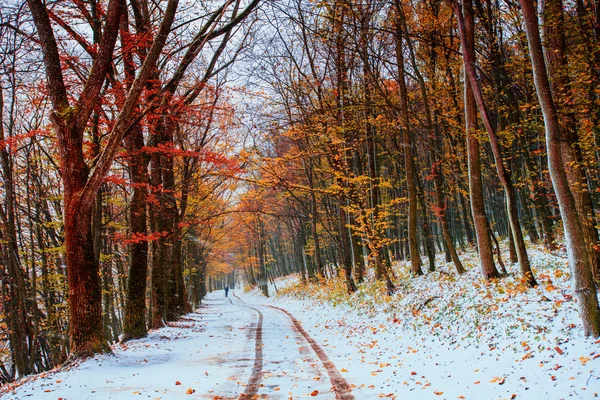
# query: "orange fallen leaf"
438, 393
190, 391
344, 370
177, 383
314, 393
558, 350
477, 383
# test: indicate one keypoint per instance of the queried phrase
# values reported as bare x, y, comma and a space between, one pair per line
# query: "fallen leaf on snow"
584, 360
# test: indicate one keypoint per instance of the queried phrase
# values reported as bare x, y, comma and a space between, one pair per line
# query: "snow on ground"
203, 355
448, 337
222, 351
439, 337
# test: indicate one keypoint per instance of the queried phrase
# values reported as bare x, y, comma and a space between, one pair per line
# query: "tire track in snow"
256, 377
341, 387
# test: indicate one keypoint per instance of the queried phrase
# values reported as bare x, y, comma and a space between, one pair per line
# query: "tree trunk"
484, 243
18, 313
469, 64
571, 150
134, 324
585, 288
409, 166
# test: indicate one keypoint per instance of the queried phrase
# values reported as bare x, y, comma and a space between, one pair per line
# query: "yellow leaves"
498, 380
550, 287
558, 273
344, 370
583, 360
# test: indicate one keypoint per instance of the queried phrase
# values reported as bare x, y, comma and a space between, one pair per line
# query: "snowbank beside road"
451, 337
198, 355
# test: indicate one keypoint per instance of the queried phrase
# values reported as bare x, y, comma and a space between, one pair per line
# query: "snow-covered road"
292, 363
225, 350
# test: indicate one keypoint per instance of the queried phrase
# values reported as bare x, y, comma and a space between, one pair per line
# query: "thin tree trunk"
484, 244
469, 64
415, 258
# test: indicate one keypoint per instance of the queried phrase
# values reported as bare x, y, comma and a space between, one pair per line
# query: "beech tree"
579, 255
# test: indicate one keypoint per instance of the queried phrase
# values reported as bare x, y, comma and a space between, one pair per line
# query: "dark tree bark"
409, 166
585, 288
18, 307
484, 244
469, 63
80, 184
571, 151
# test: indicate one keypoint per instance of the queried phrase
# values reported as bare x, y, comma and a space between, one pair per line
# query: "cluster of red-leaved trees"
114, 142
399, 129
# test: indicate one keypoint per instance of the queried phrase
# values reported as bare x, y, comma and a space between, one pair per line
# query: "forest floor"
443, 336
439, 337
225, 350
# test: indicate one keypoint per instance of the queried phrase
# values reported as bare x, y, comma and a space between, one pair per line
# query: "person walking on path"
226, 292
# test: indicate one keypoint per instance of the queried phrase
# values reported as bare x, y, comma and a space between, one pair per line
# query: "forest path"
225, 350
289, 361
